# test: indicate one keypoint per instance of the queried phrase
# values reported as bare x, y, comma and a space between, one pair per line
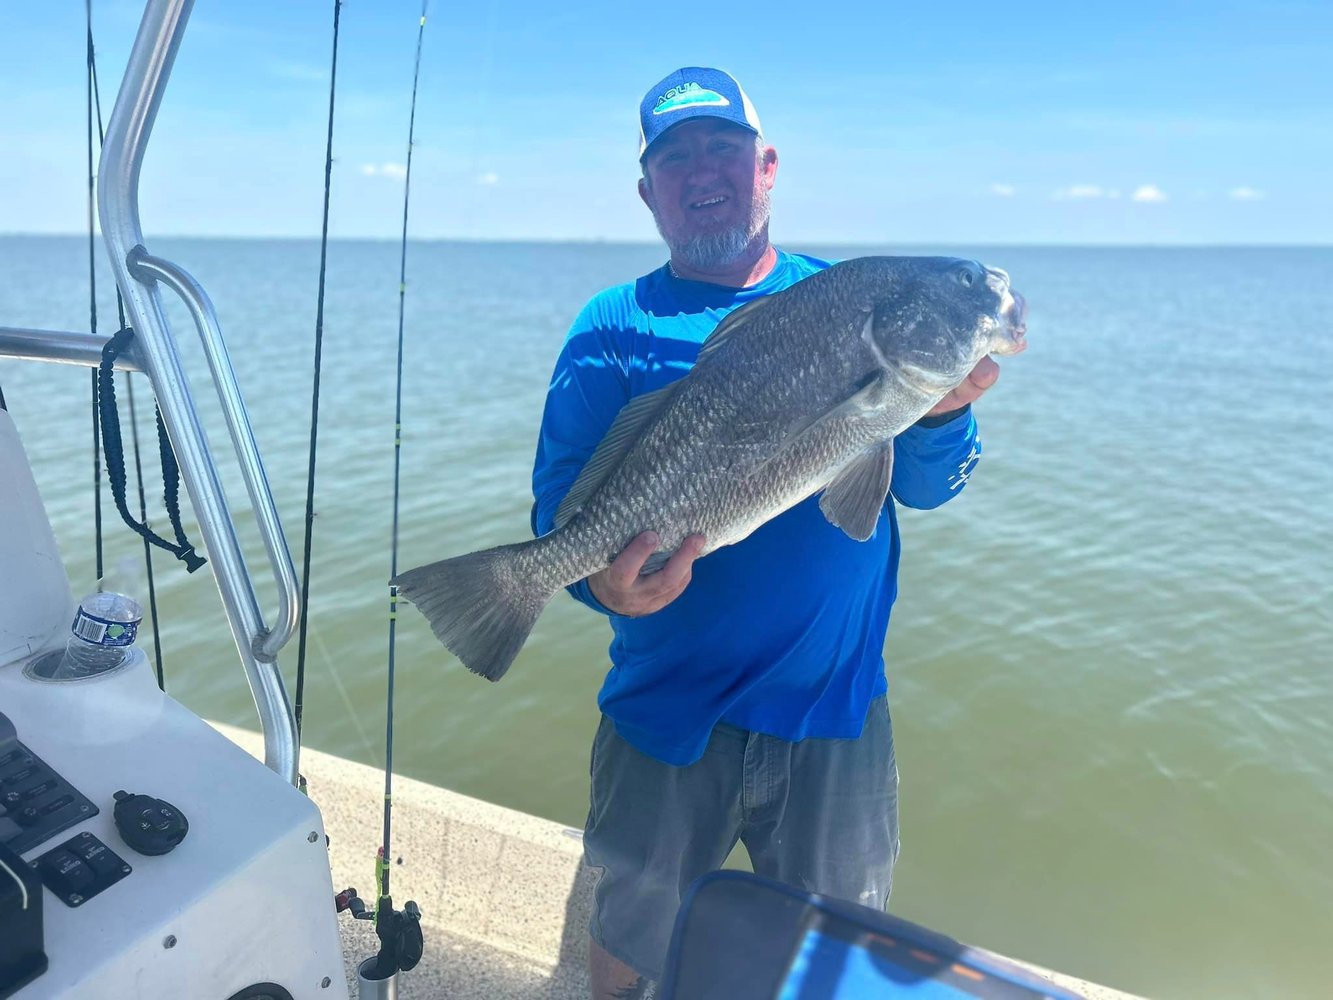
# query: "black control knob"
148, 825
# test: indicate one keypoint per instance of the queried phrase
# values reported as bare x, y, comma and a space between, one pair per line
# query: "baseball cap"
693, 92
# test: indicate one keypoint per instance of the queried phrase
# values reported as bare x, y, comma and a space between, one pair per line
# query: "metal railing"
139, 276
63, 348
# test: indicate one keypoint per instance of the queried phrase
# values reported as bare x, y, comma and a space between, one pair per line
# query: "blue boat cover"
739, 936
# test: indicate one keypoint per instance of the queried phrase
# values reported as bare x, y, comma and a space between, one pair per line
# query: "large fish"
794, 393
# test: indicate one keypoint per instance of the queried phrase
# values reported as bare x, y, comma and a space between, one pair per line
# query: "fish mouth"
1012, 335
1012, 315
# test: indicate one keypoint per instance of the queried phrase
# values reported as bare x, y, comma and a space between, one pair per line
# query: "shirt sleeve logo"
965, 469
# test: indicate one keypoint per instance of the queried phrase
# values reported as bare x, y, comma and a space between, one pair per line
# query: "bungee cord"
94, 103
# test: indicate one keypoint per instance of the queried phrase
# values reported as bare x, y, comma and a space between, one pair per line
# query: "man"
746, 699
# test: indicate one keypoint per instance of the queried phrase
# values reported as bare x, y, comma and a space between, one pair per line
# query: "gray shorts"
820, 814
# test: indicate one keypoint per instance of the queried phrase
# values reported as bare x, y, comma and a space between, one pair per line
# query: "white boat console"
165, 861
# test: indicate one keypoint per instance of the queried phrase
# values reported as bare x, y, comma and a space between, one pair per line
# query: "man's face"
708, 190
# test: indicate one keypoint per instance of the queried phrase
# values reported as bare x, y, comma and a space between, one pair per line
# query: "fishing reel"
399, 931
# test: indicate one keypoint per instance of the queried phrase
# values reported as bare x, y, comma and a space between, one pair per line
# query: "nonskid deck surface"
463, 968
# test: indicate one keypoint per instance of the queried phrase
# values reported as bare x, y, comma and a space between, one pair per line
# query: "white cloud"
488, 178
1079, 191
1149, 192
1003, 190
1246, 194
394, 170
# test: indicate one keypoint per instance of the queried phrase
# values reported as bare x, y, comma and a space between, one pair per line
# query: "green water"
1110, 666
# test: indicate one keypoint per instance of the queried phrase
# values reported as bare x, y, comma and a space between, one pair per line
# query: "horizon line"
607, 241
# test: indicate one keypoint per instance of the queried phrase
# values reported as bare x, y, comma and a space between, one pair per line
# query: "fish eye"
969, 274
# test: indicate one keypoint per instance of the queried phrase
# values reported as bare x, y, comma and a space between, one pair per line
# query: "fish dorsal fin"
853, 500
637, 412
624, 431
736, 320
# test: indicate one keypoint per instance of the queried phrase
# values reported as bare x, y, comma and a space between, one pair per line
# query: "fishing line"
299, 704
331, 665
95, 100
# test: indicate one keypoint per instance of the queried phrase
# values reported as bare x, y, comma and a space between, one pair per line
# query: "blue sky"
894, 122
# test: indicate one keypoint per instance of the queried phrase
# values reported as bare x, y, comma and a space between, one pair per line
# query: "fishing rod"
401, 942
298, 704
92, 304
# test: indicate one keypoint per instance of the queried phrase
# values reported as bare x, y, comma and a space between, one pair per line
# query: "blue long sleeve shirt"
781, 633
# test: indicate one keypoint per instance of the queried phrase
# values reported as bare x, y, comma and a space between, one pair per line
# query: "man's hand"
621, 588
981, 378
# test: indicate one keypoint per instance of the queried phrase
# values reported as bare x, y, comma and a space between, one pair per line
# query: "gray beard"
721, 249
715, 249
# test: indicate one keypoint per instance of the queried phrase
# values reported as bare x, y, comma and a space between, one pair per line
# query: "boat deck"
462, 967
504, 896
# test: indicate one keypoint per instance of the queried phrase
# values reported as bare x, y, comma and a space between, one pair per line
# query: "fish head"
936, 317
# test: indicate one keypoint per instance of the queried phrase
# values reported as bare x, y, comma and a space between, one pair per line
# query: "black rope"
97, 484
96, 101
397, 464
299, 705
115, 460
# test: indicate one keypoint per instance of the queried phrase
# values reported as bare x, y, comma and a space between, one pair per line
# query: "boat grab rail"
138, 275
145, 267
63, 347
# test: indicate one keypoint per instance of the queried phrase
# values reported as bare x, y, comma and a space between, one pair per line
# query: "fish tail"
479, 605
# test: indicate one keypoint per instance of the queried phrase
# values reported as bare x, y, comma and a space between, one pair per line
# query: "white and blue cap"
689, 93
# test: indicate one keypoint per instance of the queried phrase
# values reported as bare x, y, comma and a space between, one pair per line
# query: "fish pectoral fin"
853, 500
869, 398
655, 562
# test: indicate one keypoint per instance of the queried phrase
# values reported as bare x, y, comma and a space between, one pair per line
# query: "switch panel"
35, 802
80, 868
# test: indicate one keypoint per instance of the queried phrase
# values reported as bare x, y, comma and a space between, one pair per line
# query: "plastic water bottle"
101, 634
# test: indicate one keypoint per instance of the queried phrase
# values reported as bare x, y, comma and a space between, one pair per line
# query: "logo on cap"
689, 95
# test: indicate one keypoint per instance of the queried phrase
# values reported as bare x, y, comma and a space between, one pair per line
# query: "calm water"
1110, 667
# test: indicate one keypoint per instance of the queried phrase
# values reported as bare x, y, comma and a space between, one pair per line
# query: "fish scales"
747, 409
795, 393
